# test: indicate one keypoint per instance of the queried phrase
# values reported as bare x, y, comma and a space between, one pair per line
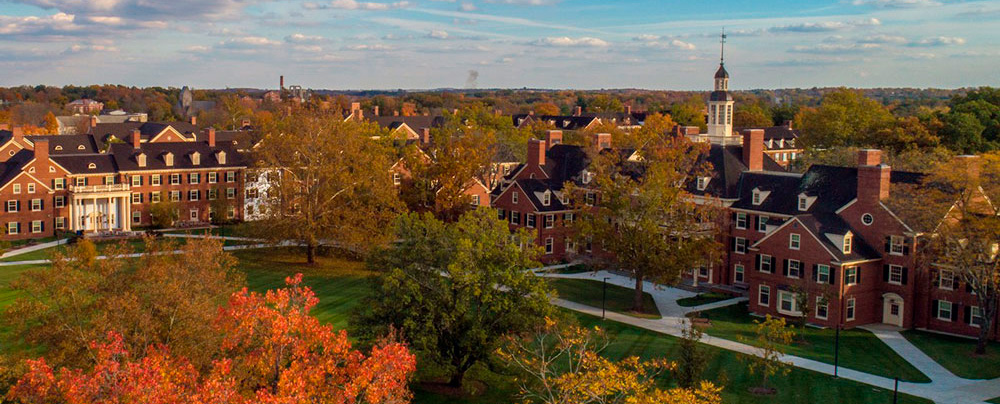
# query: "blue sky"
413, 44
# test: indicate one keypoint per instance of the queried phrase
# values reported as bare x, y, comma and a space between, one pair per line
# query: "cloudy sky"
412, 44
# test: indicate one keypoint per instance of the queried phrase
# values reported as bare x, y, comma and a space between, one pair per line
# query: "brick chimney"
753, 149
211, 137
375, 111
552, 138
5, 126
578, 111
93, 121
536, 153
41, 150
136, 138
425, 136
628, 110
601, 141
873, 177
194, 120
17, 134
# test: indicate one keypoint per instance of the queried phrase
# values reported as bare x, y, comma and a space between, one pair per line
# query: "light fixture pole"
604, 298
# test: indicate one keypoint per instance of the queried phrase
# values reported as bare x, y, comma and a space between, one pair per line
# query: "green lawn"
859, 349
957, 354
703, 298
588, 292
573, 269
138, 245
7, 275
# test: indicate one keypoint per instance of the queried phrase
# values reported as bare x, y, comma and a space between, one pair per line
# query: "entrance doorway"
892, 309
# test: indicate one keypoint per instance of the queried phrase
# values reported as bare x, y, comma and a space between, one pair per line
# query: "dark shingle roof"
68, 144
80, 163
822, 223
727, 166
721, 73
13, 166
124, 155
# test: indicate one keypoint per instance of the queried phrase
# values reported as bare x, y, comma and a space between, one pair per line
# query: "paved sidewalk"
226, 248
36, 247
945, 387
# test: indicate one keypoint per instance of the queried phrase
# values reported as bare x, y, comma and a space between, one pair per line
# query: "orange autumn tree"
273, 351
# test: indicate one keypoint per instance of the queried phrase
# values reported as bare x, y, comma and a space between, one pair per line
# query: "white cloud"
144, 10
525, 2
567, 41
883, 38
939, 41
59, 23
657, 41
826, 26
372, 47
248, 42
897, 3
467, 7
360, 5
438, 34
91, 48
304, 39
834, 48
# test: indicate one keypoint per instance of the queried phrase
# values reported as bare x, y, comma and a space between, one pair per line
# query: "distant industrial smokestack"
472, 80
281, 83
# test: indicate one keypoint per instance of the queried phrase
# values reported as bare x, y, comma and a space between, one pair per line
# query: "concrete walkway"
36, 247
944, 387
101, 257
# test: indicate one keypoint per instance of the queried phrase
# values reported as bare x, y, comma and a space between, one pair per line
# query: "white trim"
894, 216
170, 128
842, 208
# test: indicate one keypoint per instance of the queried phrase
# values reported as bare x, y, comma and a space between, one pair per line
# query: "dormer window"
805, 201
92, 166
564, 198
141, 159
759, 196
586, 176
848, 240
221, 157
703, 183
513, 197
59, 147
546, 198
168, 159
196, 158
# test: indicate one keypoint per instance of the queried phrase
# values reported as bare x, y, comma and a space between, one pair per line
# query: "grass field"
957, 354
589, 292
703, 298
859, 349
137, 245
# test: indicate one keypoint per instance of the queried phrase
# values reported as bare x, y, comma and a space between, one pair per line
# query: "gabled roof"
80, 163
147, 130
14, 166
416, 123
562, 122
124, 156
817, 226
68, 144
564, 163
727, 167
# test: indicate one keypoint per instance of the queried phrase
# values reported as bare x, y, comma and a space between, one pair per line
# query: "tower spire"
722, 54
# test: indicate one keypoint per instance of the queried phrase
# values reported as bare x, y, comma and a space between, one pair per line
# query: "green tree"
963, 132
752, 115
691, 112
164, 214
772, 336
844, 118
455, 289
693, 357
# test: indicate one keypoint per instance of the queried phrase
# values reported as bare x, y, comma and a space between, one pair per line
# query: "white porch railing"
99, 188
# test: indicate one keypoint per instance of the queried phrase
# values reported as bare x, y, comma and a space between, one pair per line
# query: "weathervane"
722, 55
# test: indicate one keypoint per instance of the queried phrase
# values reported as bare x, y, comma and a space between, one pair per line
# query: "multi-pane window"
794, 241
944, 310
766, 263
193, 195
850, 309
823, 273
213, 194
848, 240
550, 221
154, 197
60, 222
136, 197
194, 178
154, 179
896, 245
546, 198
175, 196
475, 199
31, 188
59, 201
851, 276
513, 197
175, 179
947, 280
740, 245
895, 274
16, 188
59, 183
794, 268
36, 226
230, 176
136, 217
136, 180
975, 316
548, 245
36, 205
822, 307
109, 180
230, 193
741, 220
762, 224
515, 217
530, 220
739, 274
80, 181
213, 177
13, 227
787, 303
568, 218
764, 296
252, 193
12, 206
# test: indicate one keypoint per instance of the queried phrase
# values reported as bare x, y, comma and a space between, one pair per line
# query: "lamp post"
604, 298
836, 352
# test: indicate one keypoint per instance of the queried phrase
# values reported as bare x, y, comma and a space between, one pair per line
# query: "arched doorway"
892, 309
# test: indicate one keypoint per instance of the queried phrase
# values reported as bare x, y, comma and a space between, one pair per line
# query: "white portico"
94, 208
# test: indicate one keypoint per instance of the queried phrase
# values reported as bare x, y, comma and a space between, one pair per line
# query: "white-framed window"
822, 308
568, 217
848, 240
16, 188
231, 213
739, 273
895, 274
60, 222
764, 296
194, 195
944, 310
230, 176
548, 245
59, 201
154, 197
946, 279
136, 217
896, 245
36, 205
975, 316
194, 178
396, 179
193, 214
513, 196
766, 263
851, 276
703, 183
762, 223
794, 269
59, 183
741, 220
175, 179
12, 206
515, 218
529, 220
175, 196
740, 245
546, 198
213, 177
794, 241
36, 226
756, 197
590, 199
109, 180
230, 193
823, 273
13, 227
788, 304
80, 181
850, 309
213, 194
31, 188
475, 200
867, 219
803, 203
154, 179
550, 221
136, 180
136, 197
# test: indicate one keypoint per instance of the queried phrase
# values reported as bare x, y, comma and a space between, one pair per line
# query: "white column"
127, 213
71, 201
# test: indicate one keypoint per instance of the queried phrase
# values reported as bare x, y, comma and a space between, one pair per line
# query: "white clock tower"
720, 102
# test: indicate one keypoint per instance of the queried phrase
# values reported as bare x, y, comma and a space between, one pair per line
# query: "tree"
164, 214
456, 289
273, 351
772, 336
752, 115
691, 112
693, 357
844, 118
157, 299
220, 209
51, 124
333, 186
546, 108
565, 366
648, 223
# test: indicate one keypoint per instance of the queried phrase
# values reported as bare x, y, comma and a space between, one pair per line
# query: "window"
850, 309
513, 197
60, 223
36, 226
231, 213
36, 205
851, 276
475, 200
109, 180
787, 303
31, 188
823, 273
548, 245
17, 188
946, 278
175, 196
213, 194
515, 217
944, 310
867, 219
230, 193
136, 217
193, 214
154, 197
822, 308
530, 220
589, 199
196, 158
59, 201
741, 220
80, 181
762, 223
550, 221
13, 227
895, 274
703, 183
567, 218
175, 179
12, 206
136, 180
500, 214
975, 316
59, 183
739, 274
848, 240
758, 197
794, 241
764, 296
766, 263
154, 179
794, 269
168, 159
895, 245
230, 176
194, 178
193, 195
214, 177
570, 245
546, 198
740, 245
136, 197
803, 202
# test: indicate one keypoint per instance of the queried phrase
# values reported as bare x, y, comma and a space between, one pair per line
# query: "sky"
424, 44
